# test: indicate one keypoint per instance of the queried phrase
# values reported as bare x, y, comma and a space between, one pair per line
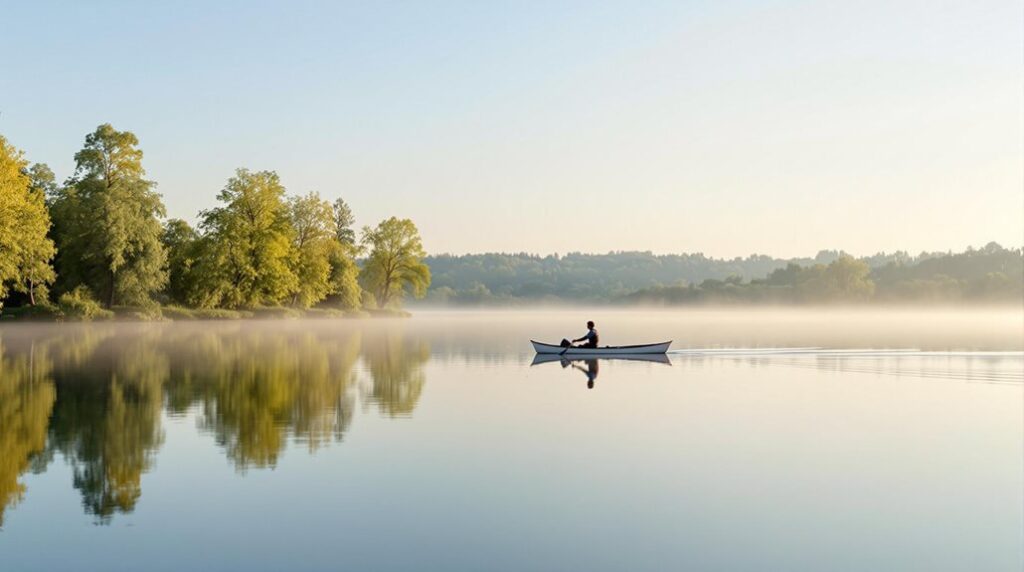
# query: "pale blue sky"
721, 127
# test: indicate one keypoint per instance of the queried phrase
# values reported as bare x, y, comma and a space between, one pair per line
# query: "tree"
850, 278
343, 221
313, 240
345, 290
395, 263
14, 185
844, 279
43, 180
25, 249
246, 258
180, 242
34, 268
107, 222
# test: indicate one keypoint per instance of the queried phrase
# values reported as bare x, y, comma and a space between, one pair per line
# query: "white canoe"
543, 348
555, 358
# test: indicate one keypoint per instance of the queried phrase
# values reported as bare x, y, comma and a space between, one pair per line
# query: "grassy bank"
91, 312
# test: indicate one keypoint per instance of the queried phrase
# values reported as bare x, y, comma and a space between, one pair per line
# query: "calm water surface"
769, 440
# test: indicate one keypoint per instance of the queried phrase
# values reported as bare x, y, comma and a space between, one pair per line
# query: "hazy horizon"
705, 127
807, 255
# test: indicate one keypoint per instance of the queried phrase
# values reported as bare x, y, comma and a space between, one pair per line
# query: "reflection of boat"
549, 358
542, 348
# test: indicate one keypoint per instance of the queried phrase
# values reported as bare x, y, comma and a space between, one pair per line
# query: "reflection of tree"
325, 405
106, 421
396, 370
101, 389
26, 399
257, 388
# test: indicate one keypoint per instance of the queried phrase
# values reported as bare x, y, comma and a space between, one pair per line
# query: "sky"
720, 127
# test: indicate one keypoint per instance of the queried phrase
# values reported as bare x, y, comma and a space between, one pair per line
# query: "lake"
766, 440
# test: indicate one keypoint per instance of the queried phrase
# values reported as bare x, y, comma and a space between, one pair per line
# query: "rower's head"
590, 325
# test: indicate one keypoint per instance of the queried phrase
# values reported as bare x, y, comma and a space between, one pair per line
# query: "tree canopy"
394, 266
314, 240
107, 222
247, 259
343, 221
25, 248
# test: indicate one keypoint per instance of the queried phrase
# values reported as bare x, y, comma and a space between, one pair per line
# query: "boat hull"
642, 349
555, 358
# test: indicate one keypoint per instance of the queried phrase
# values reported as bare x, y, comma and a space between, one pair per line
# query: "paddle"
562, 353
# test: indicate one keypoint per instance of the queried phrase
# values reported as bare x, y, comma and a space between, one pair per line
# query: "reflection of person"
590, 337
591, 371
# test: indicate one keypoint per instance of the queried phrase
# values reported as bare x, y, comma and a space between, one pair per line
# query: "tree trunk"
110, 299
31, 293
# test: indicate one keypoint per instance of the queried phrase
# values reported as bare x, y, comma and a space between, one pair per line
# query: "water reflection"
257, 391
26, 398
94, 395
591, 367
396, 371
590, 371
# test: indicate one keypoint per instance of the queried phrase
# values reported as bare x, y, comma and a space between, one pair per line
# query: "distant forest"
986, 275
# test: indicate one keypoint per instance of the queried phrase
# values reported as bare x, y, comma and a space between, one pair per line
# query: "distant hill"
992, 273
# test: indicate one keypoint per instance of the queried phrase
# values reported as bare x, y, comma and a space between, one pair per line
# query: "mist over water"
765, 439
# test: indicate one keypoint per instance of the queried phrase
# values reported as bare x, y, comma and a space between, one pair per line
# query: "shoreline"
51, 315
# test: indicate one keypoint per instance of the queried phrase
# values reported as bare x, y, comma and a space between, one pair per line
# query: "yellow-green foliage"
313, 242
246, 256
395, 263
345, 292
26, 399
25, 250
107, 222
79, 305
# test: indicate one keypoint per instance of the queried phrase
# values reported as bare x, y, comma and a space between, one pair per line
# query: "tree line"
101, 239
990, 274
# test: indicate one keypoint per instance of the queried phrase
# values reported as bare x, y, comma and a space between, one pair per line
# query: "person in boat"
590, 338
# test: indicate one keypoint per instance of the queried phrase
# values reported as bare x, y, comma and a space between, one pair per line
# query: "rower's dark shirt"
591, 337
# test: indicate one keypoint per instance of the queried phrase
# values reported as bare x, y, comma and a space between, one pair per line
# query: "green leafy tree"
395, 265
246, 251
14, 185
180, 242
844, 279
343, 221
25, 249
36, 268
43, 180
107, 222
345, 290
313, 239
851, 278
